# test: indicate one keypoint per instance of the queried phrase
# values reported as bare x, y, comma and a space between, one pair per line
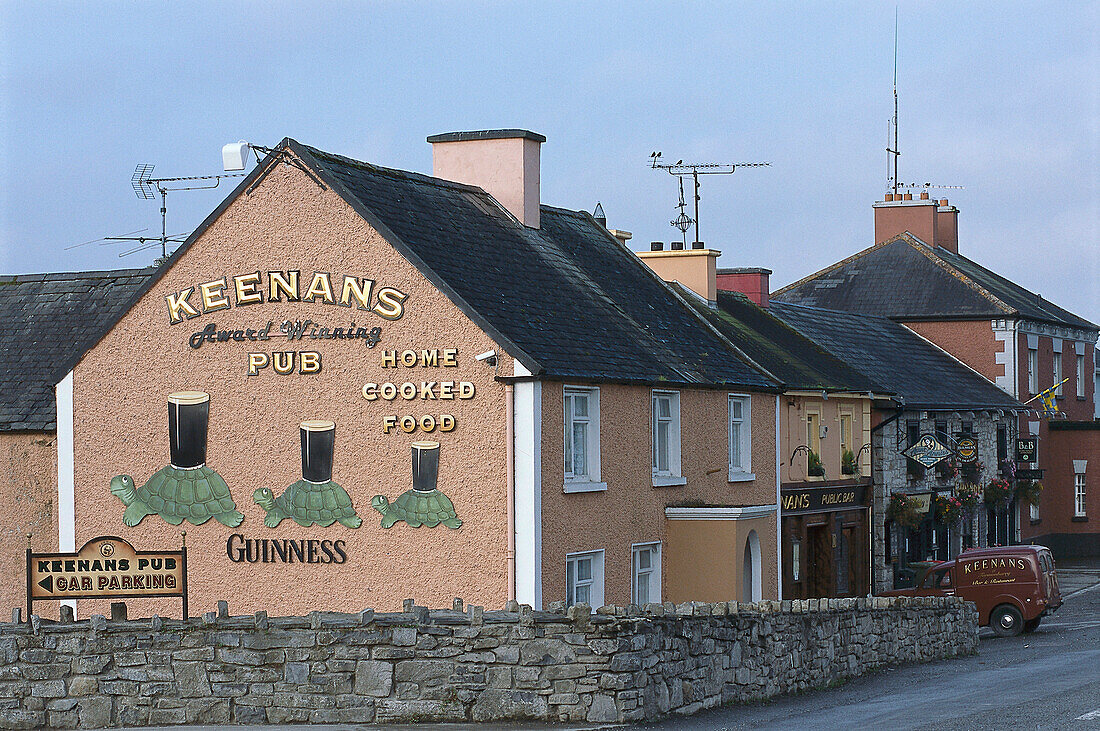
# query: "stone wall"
613, 666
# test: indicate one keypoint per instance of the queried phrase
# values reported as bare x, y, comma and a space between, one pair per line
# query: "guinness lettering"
273, 550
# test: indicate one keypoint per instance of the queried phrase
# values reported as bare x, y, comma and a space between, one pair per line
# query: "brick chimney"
936, 223
753, 282
695, 268
503, 162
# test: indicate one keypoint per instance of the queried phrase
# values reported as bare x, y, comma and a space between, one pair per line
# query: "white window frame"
1034, 510
654, 572
673, 475
1079, 495
1057, 366
1033, 370
1080, 375
740, 472
590, 481
595, 583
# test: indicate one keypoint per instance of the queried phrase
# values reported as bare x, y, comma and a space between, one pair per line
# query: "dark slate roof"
47, 320
568, 299
786, 354
905, 279
922, 375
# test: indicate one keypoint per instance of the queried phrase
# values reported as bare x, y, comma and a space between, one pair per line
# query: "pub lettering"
247, 289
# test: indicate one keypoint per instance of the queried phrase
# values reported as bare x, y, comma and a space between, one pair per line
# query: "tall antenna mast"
895, 152
681, 169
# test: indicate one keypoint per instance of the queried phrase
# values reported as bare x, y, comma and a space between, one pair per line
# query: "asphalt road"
1046, 680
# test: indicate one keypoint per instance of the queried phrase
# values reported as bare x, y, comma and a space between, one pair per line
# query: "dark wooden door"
820, 579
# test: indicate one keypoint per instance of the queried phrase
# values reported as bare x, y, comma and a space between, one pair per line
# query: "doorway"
751, 584
819, 579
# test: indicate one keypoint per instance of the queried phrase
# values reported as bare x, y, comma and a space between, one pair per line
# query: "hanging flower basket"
947, 469
903, 510
997, 492
971, 471
1028, 491
969, 495
948, 509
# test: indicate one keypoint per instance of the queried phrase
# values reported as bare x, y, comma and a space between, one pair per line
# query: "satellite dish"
235, 156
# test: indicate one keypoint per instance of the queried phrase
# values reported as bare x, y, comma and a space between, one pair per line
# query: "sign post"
107, 567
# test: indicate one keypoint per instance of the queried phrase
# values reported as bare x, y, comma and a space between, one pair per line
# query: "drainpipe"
510, 458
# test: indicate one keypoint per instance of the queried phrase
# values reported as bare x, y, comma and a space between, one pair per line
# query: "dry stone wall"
619, 664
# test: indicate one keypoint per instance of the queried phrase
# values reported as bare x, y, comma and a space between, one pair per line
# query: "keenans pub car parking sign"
107, 567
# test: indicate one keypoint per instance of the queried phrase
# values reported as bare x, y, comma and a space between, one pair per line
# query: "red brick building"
1024, 343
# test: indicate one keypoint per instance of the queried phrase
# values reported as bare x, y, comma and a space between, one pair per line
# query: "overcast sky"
1001, 98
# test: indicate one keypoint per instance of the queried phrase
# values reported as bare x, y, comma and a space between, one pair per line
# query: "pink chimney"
503, 162
936, 223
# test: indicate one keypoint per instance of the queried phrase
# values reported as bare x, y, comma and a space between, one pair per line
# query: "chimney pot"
943, 202
656, 246
907, 196
676, 246
924, 195
889, 197
697, 245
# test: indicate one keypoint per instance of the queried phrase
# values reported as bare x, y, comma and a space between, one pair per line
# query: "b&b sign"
107, 567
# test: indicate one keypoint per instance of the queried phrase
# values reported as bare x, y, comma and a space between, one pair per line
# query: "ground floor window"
646, 579
584, 578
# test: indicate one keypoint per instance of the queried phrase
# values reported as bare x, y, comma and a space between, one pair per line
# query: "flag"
1047, 397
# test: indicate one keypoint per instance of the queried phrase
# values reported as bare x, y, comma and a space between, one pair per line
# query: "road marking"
1081, 591
1089, 716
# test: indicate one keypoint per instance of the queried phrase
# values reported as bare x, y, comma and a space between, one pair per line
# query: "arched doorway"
750, 573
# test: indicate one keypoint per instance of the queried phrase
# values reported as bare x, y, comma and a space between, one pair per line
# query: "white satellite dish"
235, 155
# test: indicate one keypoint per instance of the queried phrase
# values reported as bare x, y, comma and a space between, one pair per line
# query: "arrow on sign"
47, 584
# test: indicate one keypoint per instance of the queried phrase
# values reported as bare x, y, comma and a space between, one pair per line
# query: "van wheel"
1006, 621
1031, 625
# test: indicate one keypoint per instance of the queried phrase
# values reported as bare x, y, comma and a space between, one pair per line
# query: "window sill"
742, 476
669, 481
1079, 519
1036, 521
584, 487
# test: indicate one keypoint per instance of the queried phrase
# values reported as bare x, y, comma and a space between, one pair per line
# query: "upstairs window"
582, 438
1033, 370
665, 429
740, 443
1080, 376
1058, 374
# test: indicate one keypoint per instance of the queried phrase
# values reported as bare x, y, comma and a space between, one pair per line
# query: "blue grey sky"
998, 97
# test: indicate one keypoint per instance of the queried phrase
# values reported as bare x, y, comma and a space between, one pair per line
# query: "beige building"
354, 385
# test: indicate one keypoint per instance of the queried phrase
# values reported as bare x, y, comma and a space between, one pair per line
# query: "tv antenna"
146, 187
893, 179
681, 170
931, 186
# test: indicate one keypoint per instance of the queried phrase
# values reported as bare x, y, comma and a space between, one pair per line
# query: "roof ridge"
415, 177
843, 262
92, 273
954, 271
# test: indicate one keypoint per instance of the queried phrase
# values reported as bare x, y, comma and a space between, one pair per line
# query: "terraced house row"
354, 385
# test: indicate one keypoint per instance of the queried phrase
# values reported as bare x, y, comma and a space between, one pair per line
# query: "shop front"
826, 539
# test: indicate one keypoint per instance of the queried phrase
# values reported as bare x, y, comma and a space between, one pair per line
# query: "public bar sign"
823, 499
928, 451
107, 567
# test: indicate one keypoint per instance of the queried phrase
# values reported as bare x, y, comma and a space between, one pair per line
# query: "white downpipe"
510, 450
66, 491
778, 510
527, 441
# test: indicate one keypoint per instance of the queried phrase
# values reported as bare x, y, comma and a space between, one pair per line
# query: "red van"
1014, 587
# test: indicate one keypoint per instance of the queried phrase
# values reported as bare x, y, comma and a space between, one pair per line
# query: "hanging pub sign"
107, 567
927, 451
966, 449
1029, 474
1026, 449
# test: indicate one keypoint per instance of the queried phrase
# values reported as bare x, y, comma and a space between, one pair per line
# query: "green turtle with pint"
315, 499
186, 489
424, 504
